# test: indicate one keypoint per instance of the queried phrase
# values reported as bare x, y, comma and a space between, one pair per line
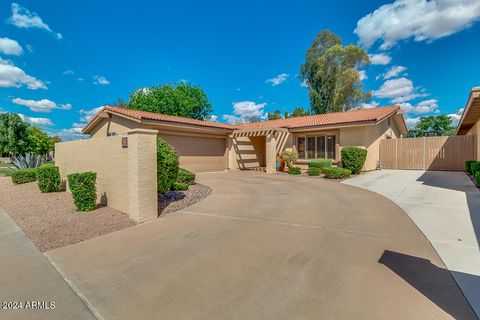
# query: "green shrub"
474, 167
167, 166
353, 158
336, 173
290, 157
468, 166
180, 186
477, 178
48, 177
185, 176
320, 163
23, 176
314, 171
84, 191
294, 170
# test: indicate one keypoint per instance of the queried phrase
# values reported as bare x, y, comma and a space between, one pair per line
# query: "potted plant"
280, 163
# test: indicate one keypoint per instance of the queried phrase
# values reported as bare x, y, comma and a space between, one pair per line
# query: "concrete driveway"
446, 207
267, 247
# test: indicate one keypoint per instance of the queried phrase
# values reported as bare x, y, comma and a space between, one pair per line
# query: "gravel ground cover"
50, 219
176, 200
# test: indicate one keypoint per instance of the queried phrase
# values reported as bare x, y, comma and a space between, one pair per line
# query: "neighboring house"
469, 123
212, 146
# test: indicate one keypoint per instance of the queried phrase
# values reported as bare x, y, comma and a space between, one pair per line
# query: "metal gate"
428, 153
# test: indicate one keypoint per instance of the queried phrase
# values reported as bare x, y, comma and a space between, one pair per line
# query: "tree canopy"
440, 125
13, 134
331, 72
183, 100
297, 112
38, 141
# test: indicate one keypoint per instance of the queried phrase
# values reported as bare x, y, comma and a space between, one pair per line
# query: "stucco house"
469, 123
211, 146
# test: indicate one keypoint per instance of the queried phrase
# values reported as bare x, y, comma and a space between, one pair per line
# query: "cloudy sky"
62, 60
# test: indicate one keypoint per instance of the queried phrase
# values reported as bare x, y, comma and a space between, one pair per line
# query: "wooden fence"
428, 153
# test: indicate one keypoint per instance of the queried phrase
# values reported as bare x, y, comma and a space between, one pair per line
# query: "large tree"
182, 100
297, 112
331, 72
38, 141
440, 125
13, 134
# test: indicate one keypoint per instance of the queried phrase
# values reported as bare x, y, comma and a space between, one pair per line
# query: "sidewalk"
446, 207
26, 276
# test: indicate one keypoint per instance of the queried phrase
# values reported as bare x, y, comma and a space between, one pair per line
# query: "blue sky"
60, 60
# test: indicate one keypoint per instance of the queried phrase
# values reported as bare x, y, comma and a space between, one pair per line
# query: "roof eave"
474, 93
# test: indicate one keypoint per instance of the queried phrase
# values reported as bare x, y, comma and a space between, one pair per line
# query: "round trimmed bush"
320, 163
48, 177
294, 170
84, 190
353, 158
167, 166
185, 176
314, 171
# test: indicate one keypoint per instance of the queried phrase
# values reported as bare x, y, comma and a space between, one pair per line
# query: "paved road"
446, 207
27, 277
268, 247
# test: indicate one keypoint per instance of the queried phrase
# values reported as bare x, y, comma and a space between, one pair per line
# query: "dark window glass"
321, 147
331, 147
301, 147
311, 148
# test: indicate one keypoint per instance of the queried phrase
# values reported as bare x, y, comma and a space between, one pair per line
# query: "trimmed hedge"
336, 173
468, 166
314, 171
185, 176
167, 166
48, 177
84, 191
24, 176
353, 158
477, 178
320, 163
180, 186
294, 170
474, 167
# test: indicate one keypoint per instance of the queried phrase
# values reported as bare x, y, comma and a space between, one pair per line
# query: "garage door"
199, 154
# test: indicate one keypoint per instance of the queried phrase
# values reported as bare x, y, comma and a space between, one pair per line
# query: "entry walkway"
446, 207
26, 276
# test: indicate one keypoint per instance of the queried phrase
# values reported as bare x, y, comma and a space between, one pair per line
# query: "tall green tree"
182, 100
38, 141
53, 140
298, 112
13, 134
440, 125
275, 115
331, 74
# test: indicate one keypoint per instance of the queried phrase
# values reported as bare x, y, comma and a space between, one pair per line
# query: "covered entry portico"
256, 148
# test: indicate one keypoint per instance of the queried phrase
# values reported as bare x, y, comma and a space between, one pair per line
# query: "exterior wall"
126, 177
116, 125
475, 131
247, 152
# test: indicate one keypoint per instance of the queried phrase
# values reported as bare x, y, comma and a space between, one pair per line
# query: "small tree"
290, 158
182, 100
440, 125
39, 142
13, 134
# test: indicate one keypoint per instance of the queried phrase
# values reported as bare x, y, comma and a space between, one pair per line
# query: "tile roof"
143, 115
329, 119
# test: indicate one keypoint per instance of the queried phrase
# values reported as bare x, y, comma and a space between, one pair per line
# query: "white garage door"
199, 154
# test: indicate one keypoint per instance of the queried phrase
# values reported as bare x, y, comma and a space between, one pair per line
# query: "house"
469, 123
212, 146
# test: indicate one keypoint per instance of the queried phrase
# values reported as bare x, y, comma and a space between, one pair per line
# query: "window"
312, 147
301, 147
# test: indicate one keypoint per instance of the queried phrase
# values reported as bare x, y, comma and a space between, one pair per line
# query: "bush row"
336, 173
24, 176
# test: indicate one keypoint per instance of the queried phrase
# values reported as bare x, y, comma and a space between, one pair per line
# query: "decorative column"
271, 152
142, 174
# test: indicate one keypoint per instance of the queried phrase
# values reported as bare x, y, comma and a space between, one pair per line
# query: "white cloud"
87, 115
393, 72
73, 133
380, 58
36, 121
43, 105
68, 72
9, 46
23, 18
100, 80
304, 83
421, 19
399, 90
411, 122
275, 81
245, 109
372, 104
363, 74
427, 106
456, 116
13, 76
213, 118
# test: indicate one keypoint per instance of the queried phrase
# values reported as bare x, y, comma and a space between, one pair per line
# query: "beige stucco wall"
475, 131
123, 174
247, 152
114, 125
